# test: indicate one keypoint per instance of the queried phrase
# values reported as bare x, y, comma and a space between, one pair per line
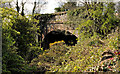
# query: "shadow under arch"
58, 35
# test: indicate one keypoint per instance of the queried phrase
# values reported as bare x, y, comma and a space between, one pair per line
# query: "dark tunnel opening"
58, 35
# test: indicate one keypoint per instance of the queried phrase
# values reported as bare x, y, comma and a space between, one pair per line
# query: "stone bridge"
54, 22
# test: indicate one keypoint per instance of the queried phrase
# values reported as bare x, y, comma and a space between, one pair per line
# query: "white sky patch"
52, 4
48, 8
28, 8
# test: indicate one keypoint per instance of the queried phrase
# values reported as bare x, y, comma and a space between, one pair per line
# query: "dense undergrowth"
78, 58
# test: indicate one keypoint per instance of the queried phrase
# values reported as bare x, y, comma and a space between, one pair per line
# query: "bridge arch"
50, 22
58, 35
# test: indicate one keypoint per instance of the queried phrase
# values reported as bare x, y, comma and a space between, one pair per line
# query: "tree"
93, 20
10, 60
67, 6
22, 12
23, 31
37, 6
6, 4
33, 11
21, 8
18, 41
17, 7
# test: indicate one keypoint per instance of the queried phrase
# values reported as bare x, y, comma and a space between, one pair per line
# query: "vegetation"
78, 58
67, 6
98, 29
96, 19
98, 32
18, 41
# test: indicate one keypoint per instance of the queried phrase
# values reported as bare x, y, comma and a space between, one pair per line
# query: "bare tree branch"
17, 7
34, 8
22, 12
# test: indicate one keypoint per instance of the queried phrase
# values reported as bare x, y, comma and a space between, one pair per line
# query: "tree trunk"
22, 12
34, 8
17, 7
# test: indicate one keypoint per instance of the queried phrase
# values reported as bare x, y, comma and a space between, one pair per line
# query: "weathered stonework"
57, 22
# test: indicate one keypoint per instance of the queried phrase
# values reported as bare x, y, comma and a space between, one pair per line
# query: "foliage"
43, 19
67, 6
78, 58
19, 44
26, 39
96, 19
16, 29
50, 57
12, 62
97, 31
21, 29
58, 9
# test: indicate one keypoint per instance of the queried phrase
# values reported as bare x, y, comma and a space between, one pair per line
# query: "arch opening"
58, 35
